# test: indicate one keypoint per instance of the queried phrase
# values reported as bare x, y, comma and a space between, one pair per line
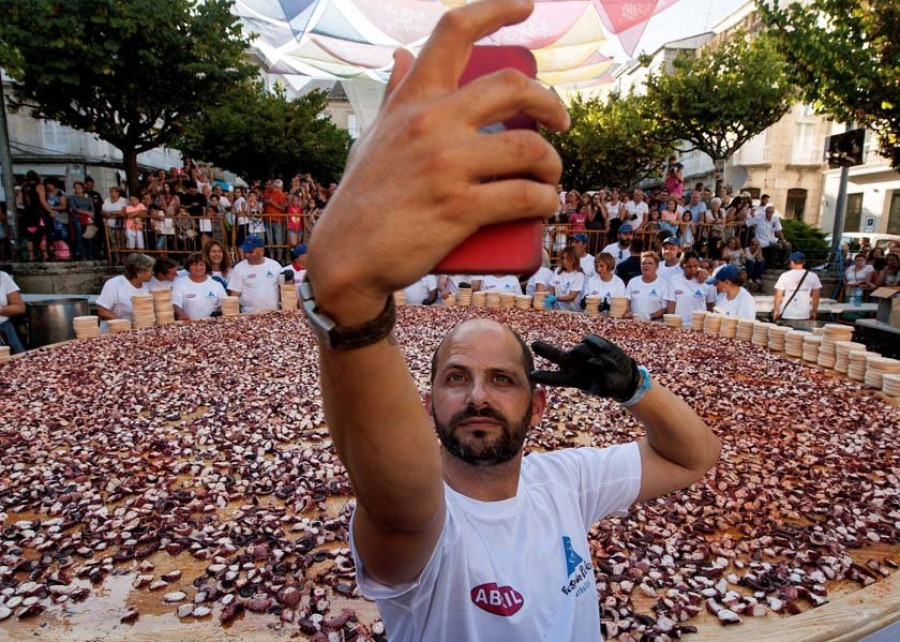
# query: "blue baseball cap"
798, 257
626, 228
670, 240
727, 273
300, 250
251, 243
579, 237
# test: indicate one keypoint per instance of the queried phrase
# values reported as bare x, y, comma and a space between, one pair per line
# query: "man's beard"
483, 453
625, 242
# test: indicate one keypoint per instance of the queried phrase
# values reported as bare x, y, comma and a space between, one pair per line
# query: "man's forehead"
481, 341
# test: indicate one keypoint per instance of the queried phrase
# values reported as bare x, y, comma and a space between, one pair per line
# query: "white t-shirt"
543, 277
688, 296
240, 208
743, 306
156, 284
612, 289
111, 207
801, 305
7, 286
454, 280
198, 300
665, 272
637, 210
618, 253
563, 284
116, 297
519, 568
419, 291
857, 275
646, 298
506, 283
765, 230
257, 284
587, 265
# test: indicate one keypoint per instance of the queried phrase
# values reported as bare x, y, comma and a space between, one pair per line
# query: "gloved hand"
595, 366
288, 275
549, 300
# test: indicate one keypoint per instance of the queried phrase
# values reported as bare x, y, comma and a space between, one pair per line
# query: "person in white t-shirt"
501, 283
297, 265
645, 292
197, 295
732, 300
771, 237
165, 273
860, 275
449, 283
803, 305
11, 305
686, 293
585, 258
471, 541
422, 292
114, 301
670, 265
636, 210
256, 279
605, 283
567, 284
540, 280
621, 250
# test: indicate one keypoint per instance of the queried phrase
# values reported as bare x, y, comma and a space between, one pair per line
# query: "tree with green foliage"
611, 143
260, 134
129, 71
806, 238
717, 99
845, 57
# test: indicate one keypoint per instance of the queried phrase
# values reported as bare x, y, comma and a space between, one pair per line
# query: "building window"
755, 192
893, 226
796, 204
853, 215
353, 125
54, 136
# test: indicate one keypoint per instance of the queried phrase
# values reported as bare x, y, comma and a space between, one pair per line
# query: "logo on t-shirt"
577, 568
499, 600
190, 296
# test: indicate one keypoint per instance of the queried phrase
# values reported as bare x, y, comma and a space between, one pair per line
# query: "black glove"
288, 276
595, 366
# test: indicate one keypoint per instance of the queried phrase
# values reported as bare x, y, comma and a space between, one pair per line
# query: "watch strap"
338, 337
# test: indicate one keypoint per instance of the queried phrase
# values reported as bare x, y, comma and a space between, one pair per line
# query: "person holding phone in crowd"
431, 533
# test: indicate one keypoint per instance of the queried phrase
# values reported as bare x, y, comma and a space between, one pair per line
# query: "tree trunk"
129, 160
719, 173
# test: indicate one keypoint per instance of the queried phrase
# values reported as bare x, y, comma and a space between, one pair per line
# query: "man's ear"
538, 404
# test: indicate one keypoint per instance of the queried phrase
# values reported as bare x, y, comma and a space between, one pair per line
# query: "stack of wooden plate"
450, 300
507, 300
142, 309
163, 309
827, 355
231, 306
399, 298
745, 330
289, 297
811, 345
761, 334
673, 320
890, 385
538, 300
618, 306
729, 327
877, 367
464, 297
697, 319
793, 343
118, 325
856, 363
776, 336
4, 354
86, 327
832, 333
491, 299
712, 323
479, 299
592, 305
842, 351
523, 302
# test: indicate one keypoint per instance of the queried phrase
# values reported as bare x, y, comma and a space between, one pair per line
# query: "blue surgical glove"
549, 300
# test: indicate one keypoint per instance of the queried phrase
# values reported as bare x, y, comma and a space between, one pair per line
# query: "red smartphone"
505, 248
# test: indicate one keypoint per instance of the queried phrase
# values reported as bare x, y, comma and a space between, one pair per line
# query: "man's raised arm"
412, 191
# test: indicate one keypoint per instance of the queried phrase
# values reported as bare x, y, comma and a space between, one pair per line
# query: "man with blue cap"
797, 291
732, 300
621, 250
579, 243
255, 279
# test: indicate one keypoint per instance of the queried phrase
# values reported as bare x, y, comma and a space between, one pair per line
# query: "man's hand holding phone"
412, 189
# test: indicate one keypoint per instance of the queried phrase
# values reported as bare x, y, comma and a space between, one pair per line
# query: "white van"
854, 239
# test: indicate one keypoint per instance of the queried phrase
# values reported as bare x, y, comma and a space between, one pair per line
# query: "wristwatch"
335, 337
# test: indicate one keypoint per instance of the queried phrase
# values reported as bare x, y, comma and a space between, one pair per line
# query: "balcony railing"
807, 156
753, 155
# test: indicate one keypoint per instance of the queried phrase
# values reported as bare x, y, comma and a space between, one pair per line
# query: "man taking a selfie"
469, 541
